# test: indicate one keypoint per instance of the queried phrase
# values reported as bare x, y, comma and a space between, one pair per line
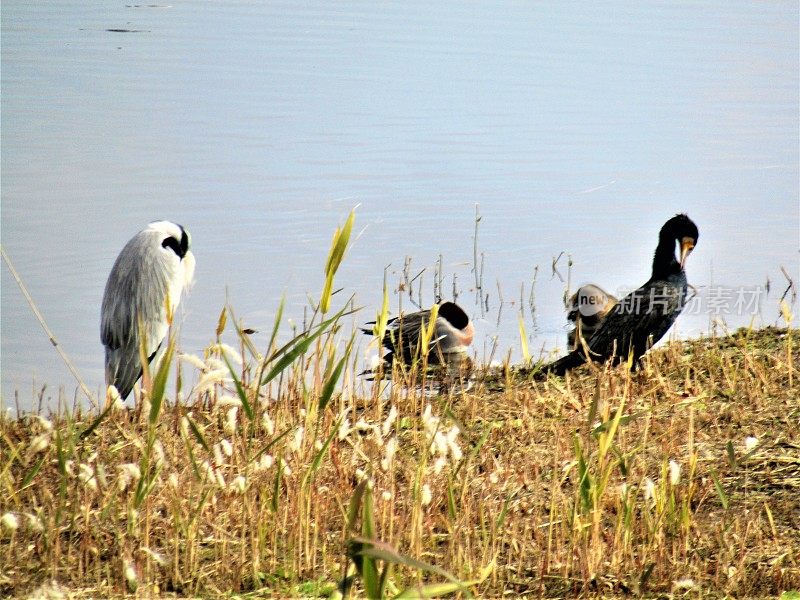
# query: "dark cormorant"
449, 343
587, 308
642, 317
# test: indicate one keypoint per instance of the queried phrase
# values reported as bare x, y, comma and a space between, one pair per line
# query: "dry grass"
603, 483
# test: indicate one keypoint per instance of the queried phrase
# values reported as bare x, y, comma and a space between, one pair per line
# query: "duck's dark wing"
403, 335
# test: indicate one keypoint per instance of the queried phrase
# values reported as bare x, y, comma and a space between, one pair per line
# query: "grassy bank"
683, 478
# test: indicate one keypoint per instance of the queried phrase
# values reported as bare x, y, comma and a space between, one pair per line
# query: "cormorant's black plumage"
643, 316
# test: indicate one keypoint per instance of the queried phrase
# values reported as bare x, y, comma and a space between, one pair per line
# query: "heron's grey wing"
136, 290
124, 367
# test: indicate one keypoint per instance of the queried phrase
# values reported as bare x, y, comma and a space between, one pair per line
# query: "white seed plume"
439, 444
452, 445
130, 573
45, 424
227, 447
297, 440
9, 521
684, 584
86, 476
100, 475
750, 442
173, 481
39, 443
158, 452
33, 523
376, 435
439, 464
674, 472
231, 352
228, 400
219, 459
649, 489
128, 473
362, 426
230, 420
390, 419
211, 379
156, 556
426, 495
344, 428
239, 484
207, 471
387, 495
429, 421
193, 360
388, 453
267, 423
215, 364
265, 462
373, 361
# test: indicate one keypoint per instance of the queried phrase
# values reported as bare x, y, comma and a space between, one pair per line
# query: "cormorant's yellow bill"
687, 245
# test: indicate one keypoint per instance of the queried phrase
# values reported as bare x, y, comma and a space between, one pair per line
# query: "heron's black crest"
184, 241
173, 245
179, 248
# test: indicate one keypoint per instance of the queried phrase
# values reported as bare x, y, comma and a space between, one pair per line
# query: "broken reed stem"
51, 336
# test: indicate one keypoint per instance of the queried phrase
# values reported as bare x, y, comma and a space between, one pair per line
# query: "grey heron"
141, 295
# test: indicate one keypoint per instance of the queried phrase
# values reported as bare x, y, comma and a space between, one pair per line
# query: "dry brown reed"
682, 479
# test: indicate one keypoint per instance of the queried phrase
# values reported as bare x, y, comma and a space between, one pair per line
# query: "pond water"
569, 128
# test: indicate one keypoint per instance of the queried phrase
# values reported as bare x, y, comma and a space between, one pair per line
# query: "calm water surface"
575, 128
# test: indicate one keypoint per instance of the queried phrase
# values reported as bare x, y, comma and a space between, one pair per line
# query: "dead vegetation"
681, 479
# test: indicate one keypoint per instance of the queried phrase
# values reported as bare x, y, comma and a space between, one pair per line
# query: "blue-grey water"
575, 127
